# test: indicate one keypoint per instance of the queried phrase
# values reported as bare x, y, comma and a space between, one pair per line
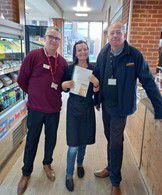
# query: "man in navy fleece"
118, 67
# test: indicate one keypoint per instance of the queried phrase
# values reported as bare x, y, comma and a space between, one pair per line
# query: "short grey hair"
52, 28
120, 24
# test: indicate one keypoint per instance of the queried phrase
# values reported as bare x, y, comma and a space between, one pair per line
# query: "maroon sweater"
36, 81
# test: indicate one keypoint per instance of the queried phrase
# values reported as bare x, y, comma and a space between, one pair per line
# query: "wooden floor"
132, 183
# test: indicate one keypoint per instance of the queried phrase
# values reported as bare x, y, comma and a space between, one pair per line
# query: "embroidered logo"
130, 64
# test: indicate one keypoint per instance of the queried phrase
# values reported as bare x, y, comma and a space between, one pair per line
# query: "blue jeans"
71, 156
114, 128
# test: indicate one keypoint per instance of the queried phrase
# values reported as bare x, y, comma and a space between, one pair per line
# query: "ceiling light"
2, 16
80, 8
81, 14
27, 7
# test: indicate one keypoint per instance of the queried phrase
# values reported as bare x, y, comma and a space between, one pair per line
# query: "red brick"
135, 15
137, 6
140, 11
143, 41
154, 24
154, 41
142, 33
150, 58
147, 7
158, 7
157, 16
133, 41
136, 37
153, 33
137, 29
152, 50
148, 29
135, 24
139, 19
152, 2
146, 15
151, 20
144, 24
141, 2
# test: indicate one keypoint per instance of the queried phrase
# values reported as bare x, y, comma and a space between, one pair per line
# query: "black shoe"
80, 172
69, 184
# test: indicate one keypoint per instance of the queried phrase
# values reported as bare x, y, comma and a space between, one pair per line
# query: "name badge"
54, 85
46, 66
111, 81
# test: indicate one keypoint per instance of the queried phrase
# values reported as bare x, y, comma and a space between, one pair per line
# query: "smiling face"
116, 36
82, 52
52, 39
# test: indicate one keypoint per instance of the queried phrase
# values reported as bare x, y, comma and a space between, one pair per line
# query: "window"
90, 32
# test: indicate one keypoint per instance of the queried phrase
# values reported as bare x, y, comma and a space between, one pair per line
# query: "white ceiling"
47, 9
40, 10
67, 5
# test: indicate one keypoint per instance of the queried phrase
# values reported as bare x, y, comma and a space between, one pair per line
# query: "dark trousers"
35, 121
114, 128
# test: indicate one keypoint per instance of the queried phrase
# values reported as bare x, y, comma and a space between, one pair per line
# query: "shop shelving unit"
12, 116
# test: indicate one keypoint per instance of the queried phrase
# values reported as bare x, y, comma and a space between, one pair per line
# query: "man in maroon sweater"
40, 76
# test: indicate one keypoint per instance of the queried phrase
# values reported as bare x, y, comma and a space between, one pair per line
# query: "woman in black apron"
80, 123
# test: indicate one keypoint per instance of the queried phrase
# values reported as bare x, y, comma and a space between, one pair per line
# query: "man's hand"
67, 85
96, 89
94, 80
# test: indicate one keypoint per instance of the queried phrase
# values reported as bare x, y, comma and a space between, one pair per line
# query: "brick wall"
146, 29
10, 10
125, 12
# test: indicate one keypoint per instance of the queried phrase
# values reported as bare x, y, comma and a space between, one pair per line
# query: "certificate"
81, 81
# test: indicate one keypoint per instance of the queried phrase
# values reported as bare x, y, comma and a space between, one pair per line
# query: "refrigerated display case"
34, 37
12, 102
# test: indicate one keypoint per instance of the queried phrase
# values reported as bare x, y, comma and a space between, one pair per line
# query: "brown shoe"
116, 191
49, 172
23, 183
102, 173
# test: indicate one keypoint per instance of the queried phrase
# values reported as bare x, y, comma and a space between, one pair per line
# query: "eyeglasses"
53, 38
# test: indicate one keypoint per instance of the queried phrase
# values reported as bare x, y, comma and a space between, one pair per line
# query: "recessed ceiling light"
81, 14
80, 8
27, 7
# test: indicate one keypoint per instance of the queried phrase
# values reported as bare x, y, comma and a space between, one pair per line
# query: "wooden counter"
145, 137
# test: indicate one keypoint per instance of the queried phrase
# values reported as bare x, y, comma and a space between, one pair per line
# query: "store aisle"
132, 183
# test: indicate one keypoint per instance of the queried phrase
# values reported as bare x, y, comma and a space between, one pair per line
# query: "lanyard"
55, 67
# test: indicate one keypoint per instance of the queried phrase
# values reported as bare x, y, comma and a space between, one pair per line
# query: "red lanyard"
55, 67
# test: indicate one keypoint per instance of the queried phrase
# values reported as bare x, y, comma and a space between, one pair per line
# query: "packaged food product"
12, 96
6, 66
4, 101
1, 84
6, 80
13, 77
1, 66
